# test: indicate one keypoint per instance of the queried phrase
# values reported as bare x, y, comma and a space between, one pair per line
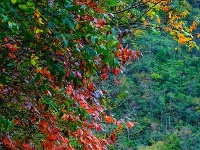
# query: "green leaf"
50, 104
28, 36
64, 40
109, 38
37, 78
116, 62
112, 3
3, 79
114, 32
33, 62
88, 118
91, 53
14, 1
69, 22
23, 7
92, 38
59, 67
73, 127
10, 64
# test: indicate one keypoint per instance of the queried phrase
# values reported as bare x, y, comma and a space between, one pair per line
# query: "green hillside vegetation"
162, 93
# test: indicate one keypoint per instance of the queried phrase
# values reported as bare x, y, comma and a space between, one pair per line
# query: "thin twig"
133, 6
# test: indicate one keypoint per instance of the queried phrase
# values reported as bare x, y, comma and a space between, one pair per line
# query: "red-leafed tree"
49, 50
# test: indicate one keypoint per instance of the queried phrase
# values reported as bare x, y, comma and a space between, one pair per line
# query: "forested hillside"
161, 92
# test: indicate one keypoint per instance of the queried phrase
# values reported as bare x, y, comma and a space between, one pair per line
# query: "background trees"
53, 55
160, 92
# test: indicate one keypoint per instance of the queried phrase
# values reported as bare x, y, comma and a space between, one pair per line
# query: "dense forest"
98, 75
161, 92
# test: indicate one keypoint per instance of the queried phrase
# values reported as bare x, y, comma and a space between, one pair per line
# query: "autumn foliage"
49, 52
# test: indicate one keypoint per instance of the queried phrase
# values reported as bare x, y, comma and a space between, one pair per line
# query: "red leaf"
90, 86
103, 21
27, 146
11, 55
113, 137
14, 48
69, 90
116, 71
104, 76
16, 121
98, 128
8, 142
83, 104
44, 124
52, 137
9, 46
66, 117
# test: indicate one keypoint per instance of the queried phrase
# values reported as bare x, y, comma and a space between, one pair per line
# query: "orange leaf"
109, 119
117, 82
119, 124
130, 124
198, 35
138, 54
165, 8
6, 39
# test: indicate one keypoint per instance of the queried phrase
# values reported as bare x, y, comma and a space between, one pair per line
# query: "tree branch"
146, 12
133, 6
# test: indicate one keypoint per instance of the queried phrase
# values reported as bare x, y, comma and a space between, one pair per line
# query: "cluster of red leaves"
11, 47
46, 74
84, 95
124, 54
91, 4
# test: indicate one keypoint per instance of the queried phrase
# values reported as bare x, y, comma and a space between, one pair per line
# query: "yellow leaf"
36, 30
191, 44
49, 31
158, 20
198, 35
40, 21
37, 13
137, 31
